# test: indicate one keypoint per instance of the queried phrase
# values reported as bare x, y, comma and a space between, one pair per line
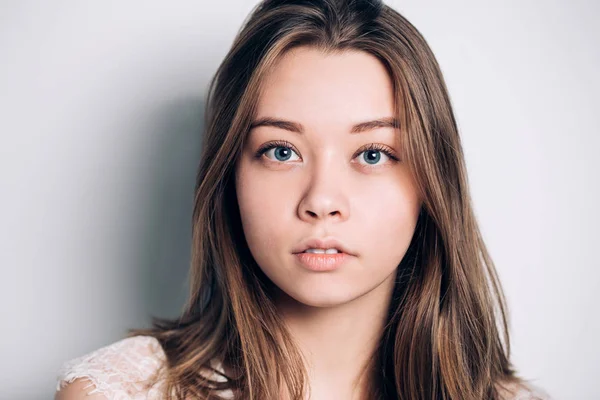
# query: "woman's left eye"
372, 156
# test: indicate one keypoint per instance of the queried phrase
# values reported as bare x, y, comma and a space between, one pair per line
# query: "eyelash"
282, 143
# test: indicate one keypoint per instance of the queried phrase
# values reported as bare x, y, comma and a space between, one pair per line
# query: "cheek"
388, 217
262, 210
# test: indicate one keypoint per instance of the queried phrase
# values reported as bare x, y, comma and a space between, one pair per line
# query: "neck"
338, 342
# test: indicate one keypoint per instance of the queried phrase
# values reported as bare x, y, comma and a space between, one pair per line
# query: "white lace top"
122, 370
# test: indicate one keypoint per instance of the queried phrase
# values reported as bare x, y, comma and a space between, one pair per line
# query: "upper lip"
326, 243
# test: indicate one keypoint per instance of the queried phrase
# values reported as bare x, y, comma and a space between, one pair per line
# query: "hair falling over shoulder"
446, 335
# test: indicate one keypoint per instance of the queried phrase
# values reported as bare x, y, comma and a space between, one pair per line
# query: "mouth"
329, 245
321, 262
321, 251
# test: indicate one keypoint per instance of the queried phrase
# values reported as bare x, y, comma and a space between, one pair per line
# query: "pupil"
284, 152
372, 155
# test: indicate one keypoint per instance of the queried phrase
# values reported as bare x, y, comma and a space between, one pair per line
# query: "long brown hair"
446, 335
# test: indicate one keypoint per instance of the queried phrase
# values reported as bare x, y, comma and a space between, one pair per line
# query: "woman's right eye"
281, 153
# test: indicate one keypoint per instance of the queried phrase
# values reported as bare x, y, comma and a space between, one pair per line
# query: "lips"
322, 262
324, 243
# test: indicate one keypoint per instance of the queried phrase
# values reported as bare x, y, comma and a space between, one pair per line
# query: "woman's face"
324, 182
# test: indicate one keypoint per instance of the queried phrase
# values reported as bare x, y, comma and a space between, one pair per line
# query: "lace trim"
121, 370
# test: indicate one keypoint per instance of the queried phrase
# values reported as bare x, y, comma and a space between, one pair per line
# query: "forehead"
326, 90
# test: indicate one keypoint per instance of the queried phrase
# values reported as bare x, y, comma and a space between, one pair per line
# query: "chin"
321, 302
322, 295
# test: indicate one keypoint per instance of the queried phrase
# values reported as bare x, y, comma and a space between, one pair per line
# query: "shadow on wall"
164, 246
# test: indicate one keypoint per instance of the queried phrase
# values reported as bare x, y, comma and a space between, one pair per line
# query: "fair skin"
320, 187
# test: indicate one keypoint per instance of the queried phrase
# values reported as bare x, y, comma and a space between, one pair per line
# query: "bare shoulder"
79, 389
522, 391
124, 369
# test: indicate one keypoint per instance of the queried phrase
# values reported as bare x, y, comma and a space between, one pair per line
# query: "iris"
284, 152
372, 155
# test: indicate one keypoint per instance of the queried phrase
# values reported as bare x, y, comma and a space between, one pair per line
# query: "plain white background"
101, 113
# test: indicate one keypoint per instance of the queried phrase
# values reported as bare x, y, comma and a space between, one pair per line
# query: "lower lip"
322, 262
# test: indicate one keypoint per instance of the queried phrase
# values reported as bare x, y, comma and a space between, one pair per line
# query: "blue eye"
281, 150
371, 154
281, 153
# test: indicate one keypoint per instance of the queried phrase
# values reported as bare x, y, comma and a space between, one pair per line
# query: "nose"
324, 197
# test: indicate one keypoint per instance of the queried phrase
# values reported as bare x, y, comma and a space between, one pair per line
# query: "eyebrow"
388, 122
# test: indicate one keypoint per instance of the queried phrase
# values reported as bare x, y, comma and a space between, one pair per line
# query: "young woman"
335, 253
